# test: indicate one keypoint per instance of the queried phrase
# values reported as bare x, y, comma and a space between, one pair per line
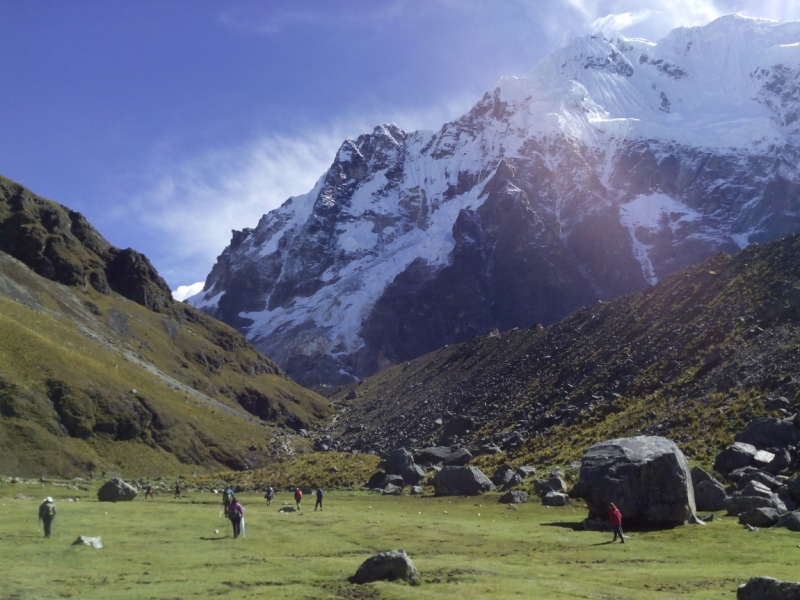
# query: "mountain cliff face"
613, 164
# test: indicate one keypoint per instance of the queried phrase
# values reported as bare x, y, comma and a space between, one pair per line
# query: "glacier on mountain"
612, 164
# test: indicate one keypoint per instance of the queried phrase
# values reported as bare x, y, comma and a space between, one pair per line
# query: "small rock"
94, 542
387, 566
287, 509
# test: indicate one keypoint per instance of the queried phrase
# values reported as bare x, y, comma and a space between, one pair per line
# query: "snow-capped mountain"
613, 163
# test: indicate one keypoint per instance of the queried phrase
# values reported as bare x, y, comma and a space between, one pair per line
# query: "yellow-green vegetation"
692, 358
463, 547
93, 381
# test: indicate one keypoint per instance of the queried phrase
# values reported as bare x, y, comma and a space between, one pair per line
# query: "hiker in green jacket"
47, 514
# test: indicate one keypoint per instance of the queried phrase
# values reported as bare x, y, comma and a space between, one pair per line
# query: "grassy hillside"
463, 548
94, 380
694, 358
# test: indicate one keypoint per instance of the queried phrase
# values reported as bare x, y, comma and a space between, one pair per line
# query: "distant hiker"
47, 514
320, 494
269, 494
149, 492
177, 490
41, 480
298, 497
615, 520
235, 514
226, 499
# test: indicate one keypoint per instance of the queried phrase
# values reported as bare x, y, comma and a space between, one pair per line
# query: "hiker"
149, 492
235, 514
615, 520
298, 497
269, 494
47, 514
178, 490
226, 499
320, 493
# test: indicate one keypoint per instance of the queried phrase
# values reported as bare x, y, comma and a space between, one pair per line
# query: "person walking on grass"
226, 499
149, 492
320, 494
615, 520
47, 514
298, 497
269, 494
235, 514
178, 490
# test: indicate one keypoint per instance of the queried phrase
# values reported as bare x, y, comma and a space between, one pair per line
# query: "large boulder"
767, 588
514, 497
709, 495
399, 460
699, 475
512, 482
434, 455
116, 490
387, 566
555, 499
557, 484
735, 456
755, 488
773, 483
380, 480
647, 477
461, 481
413, 475
502, 474
459, 458
760, 517
392, 490
793, 486
769, 432
790, 520
525, 471
459, 425
736, 505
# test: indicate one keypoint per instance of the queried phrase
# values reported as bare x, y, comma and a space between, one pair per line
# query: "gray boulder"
735, 457
461, 481
738, 474
699, 475
790, 520
755, 488
380, 480
413, 475
416, 490
514, 497
767, 588
387, 566
793, 487
502, 474
541, 487
769, 432
287, 509
555, 499
392, 490
399, 460
763, 459
116, 490
773, 483
434, 455
459, 425
736, 505
709, 495
525, 471
557, 484
459, 458
781, 463
647, 477
760, 517
512, 482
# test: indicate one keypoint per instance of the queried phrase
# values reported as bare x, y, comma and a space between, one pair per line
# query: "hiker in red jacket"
615, 520
298, 496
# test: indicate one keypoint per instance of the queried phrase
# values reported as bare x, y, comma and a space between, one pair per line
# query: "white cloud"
187, 291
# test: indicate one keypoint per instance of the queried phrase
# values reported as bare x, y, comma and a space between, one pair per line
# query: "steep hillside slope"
693, 358
107, 373
613, 164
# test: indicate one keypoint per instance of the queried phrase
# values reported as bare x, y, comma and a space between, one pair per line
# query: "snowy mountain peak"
610, 165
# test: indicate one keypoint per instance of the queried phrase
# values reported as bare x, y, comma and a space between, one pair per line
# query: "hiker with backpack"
320, 493
149, 492
47, 514
236, 515
269, 494
226, 499
178, 490
298, 497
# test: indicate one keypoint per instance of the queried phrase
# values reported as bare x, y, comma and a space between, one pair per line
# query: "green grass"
169, 549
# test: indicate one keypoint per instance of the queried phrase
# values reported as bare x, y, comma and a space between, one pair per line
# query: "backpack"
48, 510
235, 511
226, 496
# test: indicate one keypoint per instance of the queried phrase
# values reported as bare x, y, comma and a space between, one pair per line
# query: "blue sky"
168, 123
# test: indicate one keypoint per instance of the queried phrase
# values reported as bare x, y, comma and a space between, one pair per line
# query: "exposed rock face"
387, 566
767, 588
461, 481
552, 192
769, 433
116, 490
647, 477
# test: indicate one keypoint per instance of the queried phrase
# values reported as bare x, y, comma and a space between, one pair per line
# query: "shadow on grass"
214, 539
574, 526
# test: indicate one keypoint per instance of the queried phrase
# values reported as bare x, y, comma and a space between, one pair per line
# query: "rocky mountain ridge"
613, 164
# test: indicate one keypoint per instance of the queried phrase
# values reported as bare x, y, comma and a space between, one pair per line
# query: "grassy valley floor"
464, 548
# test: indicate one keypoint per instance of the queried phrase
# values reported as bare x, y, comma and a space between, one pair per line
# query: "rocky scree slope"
613, 164
694, 358
100, 369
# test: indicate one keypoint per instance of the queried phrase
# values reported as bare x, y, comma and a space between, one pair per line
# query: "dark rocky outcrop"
461, 481
514, 497
399, 460
734, 457
648, 478
768, 433
709, 496
459, 458
767, 588
555, 499
387, 566
761, 517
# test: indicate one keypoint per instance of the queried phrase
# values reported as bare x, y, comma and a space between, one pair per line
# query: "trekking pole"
244, 530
